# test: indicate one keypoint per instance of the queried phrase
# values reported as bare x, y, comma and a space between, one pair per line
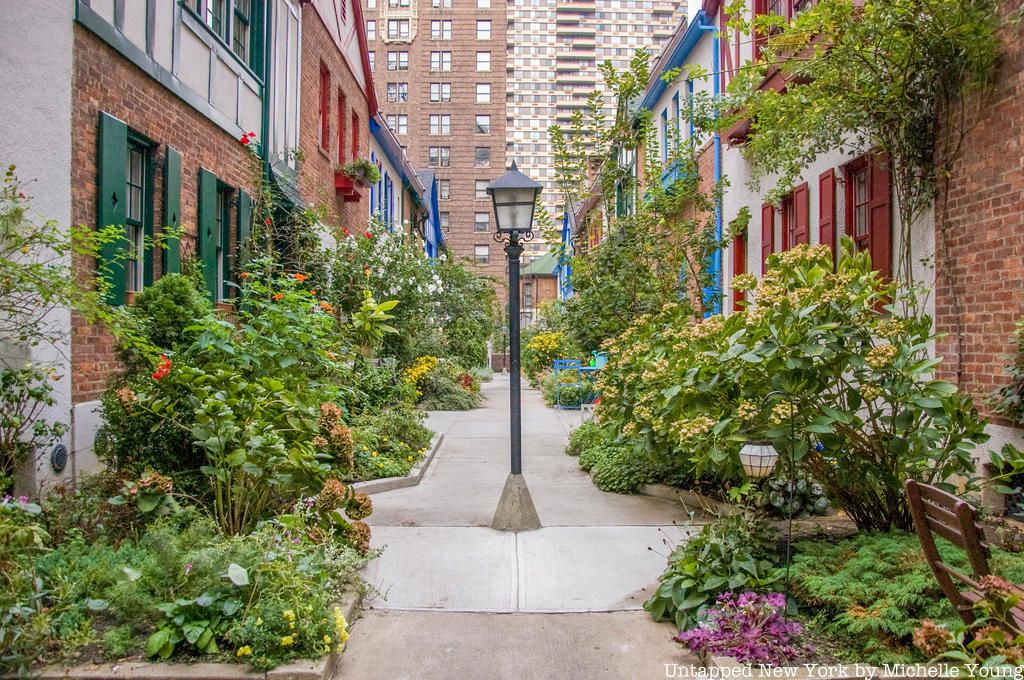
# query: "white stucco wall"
35, 75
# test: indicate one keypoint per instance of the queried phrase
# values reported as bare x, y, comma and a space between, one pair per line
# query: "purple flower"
819, 447
22, 500
188, 568
749, 627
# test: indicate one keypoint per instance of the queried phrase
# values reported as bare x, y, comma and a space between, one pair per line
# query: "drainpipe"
716, 257
265, 107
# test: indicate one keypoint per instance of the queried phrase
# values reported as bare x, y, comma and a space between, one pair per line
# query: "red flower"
252, 134
367, 234
267, 221
346, 232
163, 369
244, 139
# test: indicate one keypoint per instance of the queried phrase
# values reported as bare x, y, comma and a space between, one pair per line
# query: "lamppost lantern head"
514, 196
758, 459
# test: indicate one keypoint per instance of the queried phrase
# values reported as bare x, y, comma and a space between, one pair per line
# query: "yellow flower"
374, 454
287, 641
291, 625
385, 438
244, 651
381, 466
288, 614
259, 620
327, 639
410, 459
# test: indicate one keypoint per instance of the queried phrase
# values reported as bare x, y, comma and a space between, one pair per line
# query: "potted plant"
361, 171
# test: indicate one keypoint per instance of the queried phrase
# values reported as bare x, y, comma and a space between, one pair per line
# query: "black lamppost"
514, 196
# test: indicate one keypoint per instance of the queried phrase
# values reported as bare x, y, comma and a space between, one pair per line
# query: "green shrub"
119, 642
584, 437
730, 553
618, 469
448, 387
132, 440
168, 310
872, 590
388, 444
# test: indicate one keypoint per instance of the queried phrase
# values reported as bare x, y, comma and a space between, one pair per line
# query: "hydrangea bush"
822, 364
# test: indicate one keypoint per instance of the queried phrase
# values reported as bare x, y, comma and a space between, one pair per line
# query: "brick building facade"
440, 72
106, 83
979, 236
335, 114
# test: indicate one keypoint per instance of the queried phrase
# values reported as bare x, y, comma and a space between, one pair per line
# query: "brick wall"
316, 173
980, 236
102, 80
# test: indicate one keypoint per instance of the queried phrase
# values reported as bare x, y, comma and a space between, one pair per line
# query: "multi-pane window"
445, 220
398, 61
861, 225
483, 124
398, 29
442, 4
240, 28
373, 60
440, 124
231, 21
223, 239
440, 61
483, 29
483, 4
482, 222
483, 61
444, 189
397, 92
136, 209
399, 123
481, 189
398, 3
483, 93
482, 157
441, 29
371, 29
439, 156
482, 254
440, 92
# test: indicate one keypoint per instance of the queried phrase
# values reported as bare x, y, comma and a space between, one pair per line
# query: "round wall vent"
59, 457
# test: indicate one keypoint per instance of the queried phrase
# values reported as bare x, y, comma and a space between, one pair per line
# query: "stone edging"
412, 479
691, 500
728, 667
318, 669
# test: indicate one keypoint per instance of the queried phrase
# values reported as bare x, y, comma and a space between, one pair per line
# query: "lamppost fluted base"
515, 509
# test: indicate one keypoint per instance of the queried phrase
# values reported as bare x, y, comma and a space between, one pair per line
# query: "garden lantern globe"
514, 196
758, 459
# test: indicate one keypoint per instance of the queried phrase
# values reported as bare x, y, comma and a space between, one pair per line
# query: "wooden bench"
936, 512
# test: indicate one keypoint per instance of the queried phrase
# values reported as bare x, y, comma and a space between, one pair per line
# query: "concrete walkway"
463, 601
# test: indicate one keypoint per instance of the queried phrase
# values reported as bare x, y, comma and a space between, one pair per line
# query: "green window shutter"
111, 201
244, 226
208, 230
172, 211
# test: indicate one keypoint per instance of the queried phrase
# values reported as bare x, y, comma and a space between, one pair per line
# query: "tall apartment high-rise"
439, 68
554, 53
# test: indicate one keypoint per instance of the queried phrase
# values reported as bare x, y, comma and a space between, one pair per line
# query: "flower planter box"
347, 188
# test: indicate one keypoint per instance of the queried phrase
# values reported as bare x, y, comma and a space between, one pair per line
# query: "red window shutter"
355, 135
827, 209
880, 210
341, 128
802, 215
739, 266
767, 234
325, 105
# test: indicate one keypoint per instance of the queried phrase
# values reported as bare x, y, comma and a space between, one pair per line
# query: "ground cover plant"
443, 385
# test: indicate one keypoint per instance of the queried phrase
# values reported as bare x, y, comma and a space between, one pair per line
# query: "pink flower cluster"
749, 627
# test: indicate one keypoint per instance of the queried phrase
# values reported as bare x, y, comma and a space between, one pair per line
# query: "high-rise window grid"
440, 124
